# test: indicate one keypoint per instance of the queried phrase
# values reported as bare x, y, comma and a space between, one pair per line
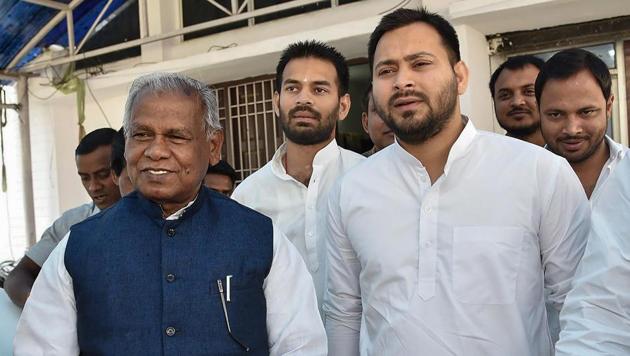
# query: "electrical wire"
97, 103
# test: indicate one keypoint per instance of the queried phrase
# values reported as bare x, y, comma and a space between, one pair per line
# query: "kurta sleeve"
294, 325
48, 323
564, 226
342, 301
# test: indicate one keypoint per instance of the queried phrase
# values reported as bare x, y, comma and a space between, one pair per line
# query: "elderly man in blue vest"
173, 268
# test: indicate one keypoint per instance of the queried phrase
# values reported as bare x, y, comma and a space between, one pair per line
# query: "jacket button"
170, 331
170, 277
170, 232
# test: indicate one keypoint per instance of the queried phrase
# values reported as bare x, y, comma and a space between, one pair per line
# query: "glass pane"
605, 52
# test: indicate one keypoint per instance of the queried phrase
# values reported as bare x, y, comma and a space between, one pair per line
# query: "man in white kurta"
443, 243
292, 189
595, 319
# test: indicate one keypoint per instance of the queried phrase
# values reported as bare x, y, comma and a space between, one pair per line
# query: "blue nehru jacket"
148, 286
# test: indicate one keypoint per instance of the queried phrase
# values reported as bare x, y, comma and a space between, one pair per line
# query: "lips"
156, 171
303, 115
406, 102
519, 112
572, 144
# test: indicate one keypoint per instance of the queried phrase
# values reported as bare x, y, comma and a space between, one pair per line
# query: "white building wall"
254, 51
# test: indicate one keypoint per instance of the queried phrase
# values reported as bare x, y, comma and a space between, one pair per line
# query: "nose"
95, 185
518, 100
403, 80
157, 149
572, 125
304, 98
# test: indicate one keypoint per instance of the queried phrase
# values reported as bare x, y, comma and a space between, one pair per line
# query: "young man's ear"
609, 106
364, 122
344, 106
276, 103
461, 74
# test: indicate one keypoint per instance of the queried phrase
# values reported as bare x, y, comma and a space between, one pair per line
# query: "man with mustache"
93, 160
380, 134
512, 90
573, 90
436, 247
292, 189
174, 268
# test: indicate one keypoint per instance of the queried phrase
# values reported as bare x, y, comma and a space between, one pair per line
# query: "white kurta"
456, 267
617, 152
299, 211
596, 315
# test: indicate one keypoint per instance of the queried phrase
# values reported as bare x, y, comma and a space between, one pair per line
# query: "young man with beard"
292, 189
93, 160
574, 93
512, 90
381, 135
435, 245
173, 268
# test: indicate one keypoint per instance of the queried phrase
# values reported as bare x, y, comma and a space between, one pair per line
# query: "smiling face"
415, 87
168, 151
308, 103
515, 101
574, 116
96, 177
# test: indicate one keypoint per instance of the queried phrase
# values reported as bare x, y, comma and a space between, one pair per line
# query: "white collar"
322, 157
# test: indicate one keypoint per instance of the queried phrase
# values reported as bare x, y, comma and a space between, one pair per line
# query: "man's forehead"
309, 69
527, 73
419, 38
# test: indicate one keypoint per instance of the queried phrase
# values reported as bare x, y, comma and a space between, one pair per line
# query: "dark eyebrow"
322, 82
407, 58
411, 57
290, 81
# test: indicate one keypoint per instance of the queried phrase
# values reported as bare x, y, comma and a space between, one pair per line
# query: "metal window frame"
245, 157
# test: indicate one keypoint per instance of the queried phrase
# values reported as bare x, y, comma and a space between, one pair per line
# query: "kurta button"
170, 331
170, 277
170, 232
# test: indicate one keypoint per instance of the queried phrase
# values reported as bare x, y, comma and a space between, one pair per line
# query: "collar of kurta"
458, 150
322, 158
617, 151
154, 210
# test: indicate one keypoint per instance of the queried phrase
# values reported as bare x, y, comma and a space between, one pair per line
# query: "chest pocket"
485, 264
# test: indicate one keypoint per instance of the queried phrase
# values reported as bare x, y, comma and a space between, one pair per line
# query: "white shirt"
596, 315
457, 267
299, 211
294, 327
617, 152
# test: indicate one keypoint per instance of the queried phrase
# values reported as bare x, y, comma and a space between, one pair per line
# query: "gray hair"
169, 83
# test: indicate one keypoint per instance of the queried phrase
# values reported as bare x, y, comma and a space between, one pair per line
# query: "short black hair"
223, 168
515, 63
95, 139
315, 49
118, 162
568, 63
404, 17
365, 100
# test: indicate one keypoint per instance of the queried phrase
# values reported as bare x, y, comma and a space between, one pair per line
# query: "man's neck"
588, 171
535, 138
433, 153
298, 160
